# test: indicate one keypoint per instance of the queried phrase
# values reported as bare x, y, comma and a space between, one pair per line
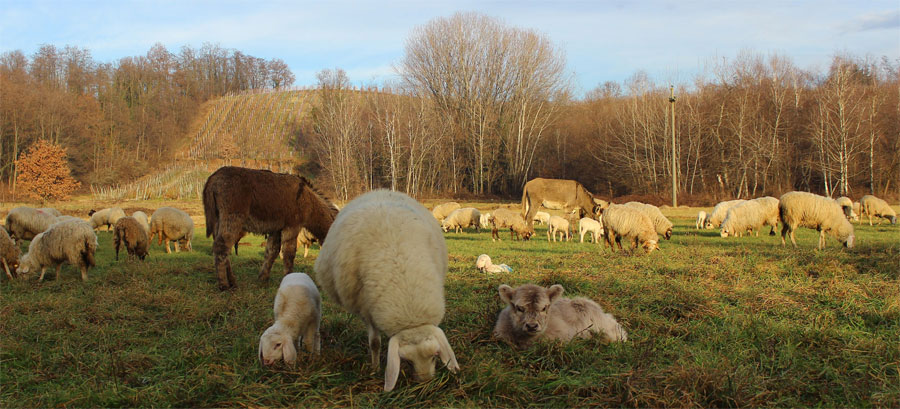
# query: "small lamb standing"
662, 225
385, 260
9, 254
171, 224
558, 225
298, 314
624, 221
803, 209
701, 220
461, 218
71, 241
589, 225
106, 217
542, 218
536, 313
25, 222
142, 218
130, 234
485, 220
873, 206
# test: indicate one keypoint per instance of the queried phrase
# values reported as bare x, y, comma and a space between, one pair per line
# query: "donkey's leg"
289, 248
226, 235
273, 246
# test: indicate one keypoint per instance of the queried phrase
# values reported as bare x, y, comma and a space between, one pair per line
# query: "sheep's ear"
555, 291
289, 351
260, 350
392, 372
445, 351
506, 293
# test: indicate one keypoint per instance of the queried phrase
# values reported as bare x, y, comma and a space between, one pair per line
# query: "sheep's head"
650, 245
422, 346
725, 232
26, 265
668, 234
529, 306
851, 239
893, 219
276, 345
445, 225
91, 213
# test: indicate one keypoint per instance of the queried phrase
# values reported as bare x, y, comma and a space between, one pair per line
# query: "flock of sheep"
57, 239
385, 259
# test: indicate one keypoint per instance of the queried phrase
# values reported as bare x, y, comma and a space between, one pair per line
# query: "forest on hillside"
480, 108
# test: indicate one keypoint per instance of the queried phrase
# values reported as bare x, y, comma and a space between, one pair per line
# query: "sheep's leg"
289, 248
821, 245
84, 273
168, 250
58, 270
374, 346
273, 247
305, 250
311, 339
43, 271
793, 241
177, 245
6, 268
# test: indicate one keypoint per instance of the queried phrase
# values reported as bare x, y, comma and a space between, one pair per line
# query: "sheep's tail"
87, 255
210, 210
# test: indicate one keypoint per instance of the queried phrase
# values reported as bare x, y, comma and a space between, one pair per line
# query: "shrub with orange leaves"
43, 172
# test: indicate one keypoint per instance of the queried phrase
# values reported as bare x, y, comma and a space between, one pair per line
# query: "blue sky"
603, 40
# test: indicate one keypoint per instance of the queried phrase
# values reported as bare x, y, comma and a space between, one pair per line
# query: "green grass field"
711, 322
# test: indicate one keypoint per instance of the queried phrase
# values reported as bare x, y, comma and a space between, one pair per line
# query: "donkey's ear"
555, 291
506, 293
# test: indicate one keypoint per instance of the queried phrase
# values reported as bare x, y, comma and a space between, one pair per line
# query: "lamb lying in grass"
538, 313
484, 264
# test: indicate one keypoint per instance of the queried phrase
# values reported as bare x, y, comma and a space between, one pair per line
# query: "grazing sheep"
385, 260
803, 209
460, 218
720, 211
536, 313
24, 223
507, 218
857, 210
305, 238
751, 215
130, 234
171, 224
558, 225
9, 254
701, 220
142, 218
625, 221
441, 211
298, 313
589, 225
71, 241
485, 265
542, 218
662, 225
485, 220
873, 206
51, 210
106, 217
238, 200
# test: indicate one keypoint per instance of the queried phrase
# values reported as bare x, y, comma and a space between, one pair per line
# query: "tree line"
117, 120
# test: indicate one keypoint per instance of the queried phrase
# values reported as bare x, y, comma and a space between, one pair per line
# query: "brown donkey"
238, 200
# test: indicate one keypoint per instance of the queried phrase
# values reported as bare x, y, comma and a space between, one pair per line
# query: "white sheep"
106, 217
385, 260
662, 225
542, 217
51, 210
751, 215
171, 224
720, 211
9, 254
537, 313
461, 218
485, 265
846, 205
142, 218
589, 225
558, 225
298, 314
71, 241
485, 221
624, 221
441, 211
24, 223
873, 206
803, 209
701, 220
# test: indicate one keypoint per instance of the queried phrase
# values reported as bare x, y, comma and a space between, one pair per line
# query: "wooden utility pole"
674, 164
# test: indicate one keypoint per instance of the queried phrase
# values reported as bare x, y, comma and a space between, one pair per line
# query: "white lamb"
485, 265
589, 225
106, 217
461, 218
873, 206
23, 223
298, 313
701, 220
542, 218
558, 225
719, 212
70, 241
385, 260
485, 220
803, 209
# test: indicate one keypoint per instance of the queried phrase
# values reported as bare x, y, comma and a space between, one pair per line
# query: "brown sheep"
129, 233
9, 253
263, 202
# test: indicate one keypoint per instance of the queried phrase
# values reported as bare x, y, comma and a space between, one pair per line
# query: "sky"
672, 41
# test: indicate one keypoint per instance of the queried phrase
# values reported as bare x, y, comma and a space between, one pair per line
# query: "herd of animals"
385, 258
